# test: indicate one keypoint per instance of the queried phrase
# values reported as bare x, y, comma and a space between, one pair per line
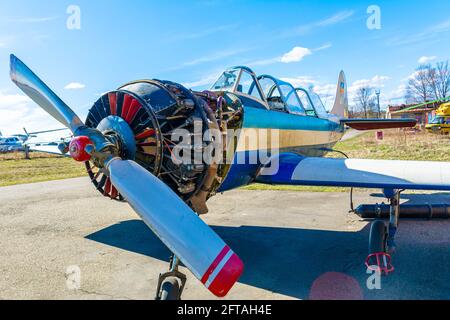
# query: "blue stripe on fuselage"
266, 119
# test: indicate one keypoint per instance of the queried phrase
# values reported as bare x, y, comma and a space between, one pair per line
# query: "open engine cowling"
140, 118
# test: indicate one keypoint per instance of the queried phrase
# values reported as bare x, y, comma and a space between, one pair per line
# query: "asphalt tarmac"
63, 240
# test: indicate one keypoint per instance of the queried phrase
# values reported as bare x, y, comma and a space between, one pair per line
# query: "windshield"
247, 85
226, 81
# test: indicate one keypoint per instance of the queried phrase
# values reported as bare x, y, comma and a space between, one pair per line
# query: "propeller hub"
81, 148
119, 132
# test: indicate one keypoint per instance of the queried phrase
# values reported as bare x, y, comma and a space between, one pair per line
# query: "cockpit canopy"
270, 92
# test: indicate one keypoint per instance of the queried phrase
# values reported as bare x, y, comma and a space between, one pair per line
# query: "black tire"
378, 237
170, 290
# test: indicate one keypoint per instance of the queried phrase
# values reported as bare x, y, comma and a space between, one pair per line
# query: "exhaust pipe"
407, 211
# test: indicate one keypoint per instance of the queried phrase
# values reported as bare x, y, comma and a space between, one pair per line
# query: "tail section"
341, 103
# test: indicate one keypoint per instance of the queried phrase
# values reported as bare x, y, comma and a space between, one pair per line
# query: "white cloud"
324, 47
336, 18
202, 33
203, 82
440, 27
7, 41
301, 81
429, 35
398, 94
426, 59
214, 57
74, 86
264, 62
295, 55
332, 20
18, 111
31, 19
375, 82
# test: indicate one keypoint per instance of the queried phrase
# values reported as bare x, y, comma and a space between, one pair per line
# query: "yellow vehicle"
441, 122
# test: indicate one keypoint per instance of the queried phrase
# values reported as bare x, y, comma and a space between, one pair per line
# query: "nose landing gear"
171, 284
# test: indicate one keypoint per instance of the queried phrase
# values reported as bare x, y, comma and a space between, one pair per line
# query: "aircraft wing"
294, 169
379, 124
51, 149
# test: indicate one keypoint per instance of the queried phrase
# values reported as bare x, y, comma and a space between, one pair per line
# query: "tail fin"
341, 103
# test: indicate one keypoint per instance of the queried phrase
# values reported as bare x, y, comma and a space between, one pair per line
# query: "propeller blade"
40, 93
199, 248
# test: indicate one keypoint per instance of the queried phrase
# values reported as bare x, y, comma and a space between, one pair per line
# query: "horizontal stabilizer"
378, 124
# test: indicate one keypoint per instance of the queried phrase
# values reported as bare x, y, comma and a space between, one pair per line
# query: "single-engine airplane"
128, 146
20, 142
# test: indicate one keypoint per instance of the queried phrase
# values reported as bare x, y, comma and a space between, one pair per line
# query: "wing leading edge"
384, 174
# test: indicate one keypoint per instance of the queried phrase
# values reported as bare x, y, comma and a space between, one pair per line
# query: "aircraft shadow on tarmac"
305, 264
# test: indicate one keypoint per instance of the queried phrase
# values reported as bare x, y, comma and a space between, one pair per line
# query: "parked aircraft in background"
441, 122
9, 144
19, 142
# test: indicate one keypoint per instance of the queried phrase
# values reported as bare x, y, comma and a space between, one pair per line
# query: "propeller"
200, 249
38, 91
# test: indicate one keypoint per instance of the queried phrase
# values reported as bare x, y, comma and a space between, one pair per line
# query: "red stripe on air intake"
113, 103
126, 105
134, 108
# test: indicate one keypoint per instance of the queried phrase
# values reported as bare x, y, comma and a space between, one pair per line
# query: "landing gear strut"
171, 284
382, 238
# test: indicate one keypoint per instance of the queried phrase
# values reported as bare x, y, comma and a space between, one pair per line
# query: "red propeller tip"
223, 273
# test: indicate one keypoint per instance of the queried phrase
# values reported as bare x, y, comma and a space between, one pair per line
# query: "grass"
14, 169
397, 145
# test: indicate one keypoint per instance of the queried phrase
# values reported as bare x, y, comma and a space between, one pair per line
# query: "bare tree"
443, 80
429, 83
364, 100
419, 85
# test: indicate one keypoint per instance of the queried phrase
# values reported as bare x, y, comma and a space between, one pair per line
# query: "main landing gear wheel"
170, 290
379, 260
378, 237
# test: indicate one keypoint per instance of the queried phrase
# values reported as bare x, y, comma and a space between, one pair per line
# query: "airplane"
10, 143
260, 130
19, 142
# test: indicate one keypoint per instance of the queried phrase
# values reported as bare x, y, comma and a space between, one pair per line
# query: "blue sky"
307, 42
